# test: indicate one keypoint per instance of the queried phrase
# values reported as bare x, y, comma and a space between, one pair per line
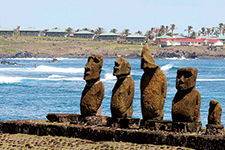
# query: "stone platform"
77, 119
123, 122
103, 133
165, 125
214, 129
184, 127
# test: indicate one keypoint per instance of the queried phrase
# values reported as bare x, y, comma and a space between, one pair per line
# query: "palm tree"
193, 35
167, 29
208, 31
138, 32
162, 30
189, 29
217, 32
149, 33
69, 31
156, 31
86, 29
126, 32
221, 26
212, 30
203, 30
113, 30
99, 30
17, 30
172, 28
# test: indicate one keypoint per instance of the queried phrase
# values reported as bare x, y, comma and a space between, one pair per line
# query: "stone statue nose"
182, 78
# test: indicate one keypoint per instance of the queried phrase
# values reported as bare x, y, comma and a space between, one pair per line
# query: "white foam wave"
43, 68
210, 79
20, 79
10, 79
167, 67
177, 58
55, 76
109, 76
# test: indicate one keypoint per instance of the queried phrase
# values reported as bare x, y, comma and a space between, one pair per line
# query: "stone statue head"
186, 78
122, 67
93, 67
147, 61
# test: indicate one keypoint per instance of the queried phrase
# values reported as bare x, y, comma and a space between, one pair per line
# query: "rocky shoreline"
159, 54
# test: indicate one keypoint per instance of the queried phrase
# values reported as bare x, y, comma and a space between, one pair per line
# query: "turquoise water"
30, 93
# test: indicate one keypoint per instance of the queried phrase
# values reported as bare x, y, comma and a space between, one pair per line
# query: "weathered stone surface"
215, 112
93, 92
184, 127
123, 91
96, 133
64, 117
153, 87
165, 125
91, 120
214, 129
187, 101
123, 122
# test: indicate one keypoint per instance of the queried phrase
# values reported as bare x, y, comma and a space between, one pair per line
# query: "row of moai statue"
185, 105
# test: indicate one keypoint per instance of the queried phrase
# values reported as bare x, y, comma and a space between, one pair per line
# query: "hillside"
18, 46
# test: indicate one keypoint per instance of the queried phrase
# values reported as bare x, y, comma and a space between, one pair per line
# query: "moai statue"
93, 92
123, 91
187, 101
153, 87
215, 112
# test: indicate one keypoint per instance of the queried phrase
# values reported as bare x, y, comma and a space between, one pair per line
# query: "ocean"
27, 92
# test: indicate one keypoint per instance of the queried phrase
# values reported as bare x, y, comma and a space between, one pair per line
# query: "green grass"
8, 50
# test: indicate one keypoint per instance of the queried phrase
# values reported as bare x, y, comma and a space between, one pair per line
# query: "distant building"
136, 38
84, 34
29, 32
108, 36
6, 31
189, 42
56, 32
222, 38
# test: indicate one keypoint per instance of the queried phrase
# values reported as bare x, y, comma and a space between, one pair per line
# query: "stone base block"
165, 125
92, 120
214, 129
52, 117
129, 123
184, 127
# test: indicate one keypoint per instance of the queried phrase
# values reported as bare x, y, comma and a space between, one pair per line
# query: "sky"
120, 14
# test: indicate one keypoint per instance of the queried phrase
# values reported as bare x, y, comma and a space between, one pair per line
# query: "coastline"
52, 47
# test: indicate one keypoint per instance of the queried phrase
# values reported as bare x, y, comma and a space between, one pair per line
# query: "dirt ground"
24, 141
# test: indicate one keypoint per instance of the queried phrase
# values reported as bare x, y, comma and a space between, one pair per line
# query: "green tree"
126, 32
99, 30
17, 31
221, 26
167, 29
208, 31
85, 29
138, 32
172, 28
189, 30
193, 35
113, 30
212, 30
69, 31
149, 33
203, 31
162, 30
